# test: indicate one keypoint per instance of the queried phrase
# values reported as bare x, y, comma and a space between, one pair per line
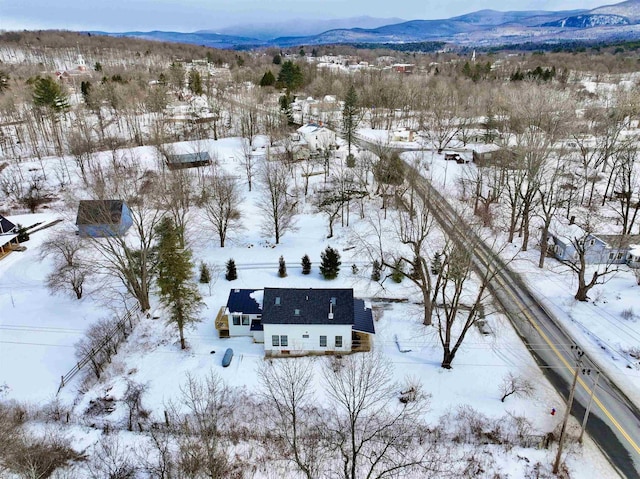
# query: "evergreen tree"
282, 268
178, 293
376, 270
23, 235
195, 82
268, 79
350, 117
231, 273
290, 76
330, 263
285, 107
48, 93
85, 89
205, 273
306, 264
398, 272
436, 264
277, 59
97, 67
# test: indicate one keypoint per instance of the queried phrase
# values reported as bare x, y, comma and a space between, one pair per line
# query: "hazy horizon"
193, 15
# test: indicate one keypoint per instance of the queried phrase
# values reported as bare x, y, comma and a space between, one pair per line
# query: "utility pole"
586, 413
567, 413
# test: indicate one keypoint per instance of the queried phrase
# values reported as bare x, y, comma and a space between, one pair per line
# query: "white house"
317, 136
297, 321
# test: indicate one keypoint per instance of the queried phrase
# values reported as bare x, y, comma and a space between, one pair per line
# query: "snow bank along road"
614, 423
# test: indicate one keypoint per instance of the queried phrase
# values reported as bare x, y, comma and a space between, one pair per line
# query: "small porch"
360, 342
222, 323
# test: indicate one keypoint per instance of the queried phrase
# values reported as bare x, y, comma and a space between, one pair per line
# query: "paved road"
614, 423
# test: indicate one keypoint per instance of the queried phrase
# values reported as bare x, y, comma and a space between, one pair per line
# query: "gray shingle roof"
6, 226
362, 317
99, 212
307, 306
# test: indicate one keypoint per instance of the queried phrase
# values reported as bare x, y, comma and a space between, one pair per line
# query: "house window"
338, 341
275, 340
305, 336
611, 255
323, 341
236, 320
333, 301
619, 255
284, 340
592, 242
245, 320
296, 312
277, 300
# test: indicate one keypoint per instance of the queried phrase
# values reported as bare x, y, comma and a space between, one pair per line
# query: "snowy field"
38, 330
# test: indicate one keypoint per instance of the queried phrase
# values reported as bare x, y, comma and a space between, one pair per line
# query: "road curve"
614, 423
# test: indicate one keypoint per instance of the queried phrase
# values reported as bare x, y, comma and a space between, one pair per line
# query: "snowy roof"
485, 148
310, 128
566, 230
186, 158
244, 301
6, 239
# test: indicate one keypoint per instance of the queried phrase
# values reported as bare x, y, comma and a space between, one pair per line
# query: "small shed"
102, 218
188, 160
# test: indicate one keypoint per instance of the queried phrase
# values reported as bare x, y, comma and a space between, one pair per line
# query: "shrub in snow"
330, 263
306, 264
231, 273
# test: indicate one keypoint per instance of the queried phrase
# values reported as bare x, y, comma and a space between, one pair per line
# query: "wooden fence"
125, 324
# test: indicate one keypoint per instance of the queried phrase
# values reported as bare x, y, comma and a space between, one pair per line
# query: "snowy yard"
38, 331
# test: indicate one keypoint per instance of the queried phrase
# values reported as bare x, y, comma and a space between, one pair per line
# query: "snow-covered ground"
38, 331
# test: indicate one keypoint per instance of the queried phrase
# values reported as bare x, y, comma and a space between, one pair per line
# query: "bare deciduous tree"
221, 202
278, 202
289, 400
71, 269
515, 386
371, 429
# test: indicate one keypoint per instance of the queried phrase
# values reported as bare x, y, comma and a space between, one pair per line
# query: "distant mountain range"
481, 28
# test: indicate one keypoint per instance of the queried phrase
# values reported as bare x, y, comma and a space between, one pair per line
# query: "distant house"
403, 67
493, 155
100, 218
188, 160
317, 136
298, 321
599, 249
402, 134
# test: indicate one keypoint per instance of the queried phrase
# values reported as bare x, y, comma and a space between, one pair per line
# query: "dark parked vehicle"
228, 356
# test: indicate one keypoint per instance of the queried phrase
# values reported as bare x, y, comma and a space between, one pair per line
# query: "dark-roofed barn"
100, 218
188, 160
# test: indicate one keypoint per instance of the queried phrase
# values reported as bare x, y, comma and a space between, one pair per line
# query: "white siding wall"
241, 330
297, 343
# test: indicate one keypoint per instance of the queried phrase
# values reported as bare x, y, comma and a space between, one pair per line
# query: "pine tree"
350, 117
205, 273
306, 264
285, 107
268, 79
282, 268
231, 273
277, 59
330, 263
436, 264
376, 270
195, 82
398, 272
23, 234
48, 93
178, 293
290, 76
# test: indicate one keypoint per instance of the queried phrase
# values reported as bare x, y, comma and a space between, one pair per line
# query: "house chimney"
331, 310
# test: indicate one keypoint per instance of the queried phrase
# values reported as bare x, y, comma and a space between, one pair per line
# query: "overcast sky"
192, 15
